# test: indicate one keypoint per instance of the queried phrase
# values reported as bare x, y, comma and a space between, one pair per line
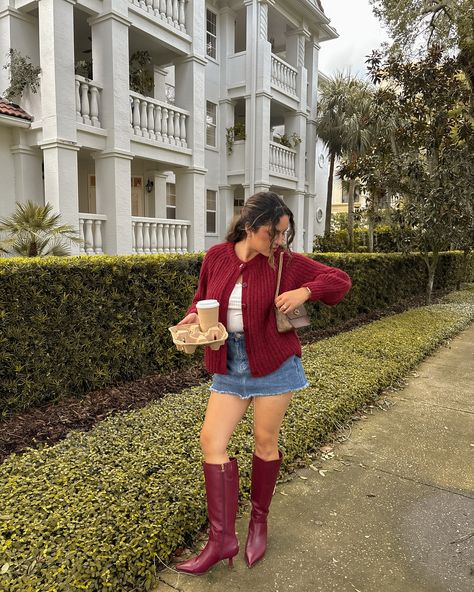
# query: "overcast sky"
359, 33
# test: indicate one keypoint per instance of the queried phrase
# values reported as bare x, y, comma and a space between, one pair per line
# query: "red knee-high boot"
222, 491
264, 477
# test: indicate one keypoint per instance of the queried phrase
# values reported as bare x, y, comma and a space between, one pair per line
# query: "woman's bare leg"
223, 413
268, 416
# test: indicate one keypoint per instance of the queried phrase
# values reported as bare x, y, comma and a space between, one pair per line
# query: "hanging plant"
234, 133
22, 74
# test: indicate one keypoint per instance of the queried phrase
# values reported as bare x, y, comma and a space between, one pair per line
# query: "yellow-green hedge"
94, 512
72, 325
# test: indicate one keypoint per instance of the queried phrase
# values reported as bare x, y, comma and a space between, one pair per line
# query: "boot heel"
231, 563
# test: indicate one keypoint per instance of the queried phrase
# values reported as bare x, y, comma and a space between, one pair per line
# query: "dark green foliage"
72, 325
100, 510
75, 324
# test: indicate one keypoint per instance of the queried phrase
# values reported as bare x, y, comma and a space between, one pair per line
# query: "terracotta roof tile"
7, 108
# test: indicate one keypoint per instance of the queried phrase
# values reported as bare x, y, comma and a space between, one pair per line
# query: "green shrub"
72, 325
75, 324
94, 512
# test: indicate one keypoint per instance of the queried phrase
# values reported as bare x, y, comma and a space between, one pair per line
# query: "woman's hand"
288, 301
190, 319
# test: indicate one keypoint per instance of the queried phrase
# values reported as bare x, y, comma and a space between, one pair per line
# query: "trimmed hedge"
75, 324
94, 512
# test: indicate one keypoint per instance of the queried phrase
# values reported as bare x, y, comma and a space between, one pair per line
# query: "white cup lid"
207, 304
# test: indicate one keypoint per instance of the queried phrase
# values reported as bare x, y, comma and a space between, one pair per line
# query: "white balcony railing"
160, 235
90, 230
158, 121
171, 12
88, 101
283, 75
282, 160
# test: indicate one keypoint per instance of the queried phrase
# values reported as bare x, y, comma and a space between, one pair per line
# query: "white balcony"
88, 101
283, 76
170, 12
282, 160
158, 121
160, 235
90, 230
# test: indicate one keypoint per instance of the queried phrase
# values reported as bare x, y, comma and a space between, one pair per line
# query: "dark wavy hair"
262, 209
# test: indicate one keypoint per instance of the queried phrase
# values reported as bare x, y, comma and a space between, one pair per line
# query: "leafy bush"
72, 325
94, 512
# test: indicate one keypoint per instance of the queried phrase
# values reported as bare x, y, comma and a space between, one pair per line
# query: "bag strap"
280, 265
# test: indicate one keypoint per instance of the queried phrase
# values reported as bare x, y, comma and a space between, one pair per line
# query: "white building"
154, 173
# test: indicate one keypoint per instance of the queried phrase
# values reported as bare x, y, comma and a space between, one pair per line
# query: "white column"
312, 54
191, 204
113, 198
58, 104
27, 163
58, 85
226, 207
259, 95
61, 181
110, 54
309, 219
190, 82
296, 204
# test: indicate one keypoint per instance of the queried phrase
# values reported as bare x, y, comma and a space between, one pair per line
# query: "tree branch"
435, 8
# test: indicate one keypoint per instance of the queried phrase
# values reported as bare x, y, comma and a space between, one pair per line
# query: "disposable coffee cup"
208, 313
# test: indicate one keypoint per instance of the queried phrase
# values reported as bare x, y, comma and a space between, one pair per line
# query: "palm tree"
329, 129
343, 124
34, 231
359, 134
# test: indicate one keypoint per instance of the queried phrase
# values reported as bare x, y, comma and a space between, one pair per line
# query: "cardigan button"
244, 305
242, 266
244, 285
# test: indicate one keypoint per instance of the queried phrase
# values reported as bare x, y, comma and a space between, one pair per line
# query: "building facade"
230, 111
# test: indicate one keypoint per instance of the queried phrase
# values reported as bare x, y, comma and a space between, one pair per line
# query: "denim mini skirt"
289, 377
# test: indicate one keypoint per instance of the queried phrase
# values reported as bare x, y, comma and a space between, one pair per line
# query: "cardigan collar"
259, 258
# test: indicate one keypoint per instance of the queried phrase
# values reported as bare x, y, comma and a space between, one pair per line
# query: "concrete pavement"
393, 510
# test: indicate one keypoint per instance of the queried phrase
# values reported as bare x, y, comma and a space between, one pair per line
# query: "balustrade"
171, 12
284, 75
155, 120
90, 230
282, 160
87, 101
160, 235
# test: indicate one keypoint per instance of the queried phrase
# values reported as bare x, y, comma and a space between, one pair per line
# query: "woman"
256, 364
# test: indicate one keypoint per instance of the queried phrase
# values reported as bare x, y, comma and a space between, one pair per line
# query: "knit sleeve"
328, 284
202, 285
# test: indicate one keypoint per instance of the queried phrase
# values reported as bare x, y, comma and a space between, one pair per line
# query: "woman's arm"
328, 284
317, 281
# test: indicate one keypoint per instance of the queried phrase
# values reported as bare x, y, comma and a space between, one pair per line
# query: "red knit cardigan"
266, 348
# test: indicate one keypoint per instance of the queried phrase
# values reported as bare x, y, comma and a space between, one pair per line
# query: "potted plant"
288, 141
22, 74
234, 133
84, 68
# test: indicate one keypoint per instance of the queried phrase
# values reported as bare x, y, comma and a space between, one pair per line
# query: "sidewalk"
395, 509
